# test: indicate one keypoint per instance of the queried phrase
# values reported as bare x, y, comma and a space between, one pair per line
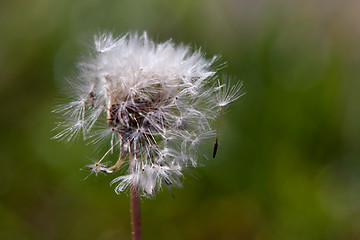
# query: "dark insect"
215, 148
216, 145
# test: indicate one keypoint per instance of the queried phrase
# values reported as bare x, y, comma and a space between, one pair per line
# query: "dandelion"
153, 102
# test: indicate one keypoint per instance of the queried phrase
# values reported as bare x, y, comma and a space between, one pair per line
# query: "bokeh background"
288, 165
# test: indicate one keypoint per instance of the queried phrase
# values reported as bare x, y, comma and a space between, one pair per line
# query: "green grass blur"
288, 162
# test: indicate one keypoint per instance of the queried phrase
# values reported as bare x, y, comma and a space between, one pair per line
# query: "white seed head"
152, 101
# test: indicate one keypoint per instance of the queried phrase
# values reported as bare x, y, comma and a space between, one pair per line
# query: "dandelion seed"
154, 102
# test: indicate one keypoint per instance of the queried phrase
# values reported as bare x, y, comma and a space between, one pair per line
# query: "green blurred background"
288, 163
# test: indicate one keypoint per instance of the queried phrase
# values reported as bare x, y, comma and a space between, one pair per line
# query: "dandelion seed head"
154, 102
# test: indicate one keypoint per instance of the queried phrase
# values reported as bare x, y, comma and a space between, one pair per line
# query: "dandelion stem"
135, 211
